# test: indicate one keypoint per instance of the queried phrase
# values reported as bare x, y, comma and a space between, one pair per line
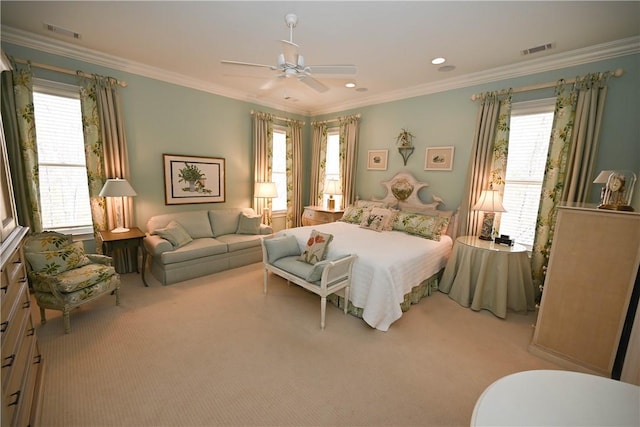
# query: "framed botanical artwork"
377, 160
193, 179
438, 159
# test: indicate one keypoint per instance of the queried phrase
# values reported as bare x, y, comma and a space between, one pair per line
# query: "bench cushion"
279, 247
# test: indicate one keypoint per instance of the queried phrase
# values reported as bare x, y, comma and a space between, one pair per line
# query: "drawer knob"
5, 288
17, 398
4, 325
26, 304
10, 359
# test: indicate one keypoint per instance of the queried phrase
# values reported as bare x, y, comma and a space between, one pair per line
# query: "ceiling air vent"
537, 49
61, 31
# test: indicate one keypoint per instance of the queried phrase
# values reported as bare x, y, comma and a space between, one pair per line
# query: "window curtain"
488, 159
22, 149
349, 129
570, 160
294, 174
318, 162
262, 154
107, 157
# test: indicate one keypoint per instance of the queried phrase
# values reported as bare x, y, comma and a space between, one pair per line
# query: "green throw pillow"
429, 227
174, 233
249, 224
317, 247
56, 262
280, 247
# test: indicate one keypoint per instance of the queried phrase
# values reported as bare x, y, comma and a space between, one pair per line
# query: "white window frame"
73, 92
280, 184
332, 168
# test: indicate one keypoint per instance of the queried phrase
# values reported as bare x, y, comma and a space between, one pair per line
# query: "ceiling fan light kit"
290, 63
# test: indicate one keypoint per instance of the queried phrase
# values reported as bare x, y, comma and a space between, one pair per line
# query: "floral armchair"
63, 277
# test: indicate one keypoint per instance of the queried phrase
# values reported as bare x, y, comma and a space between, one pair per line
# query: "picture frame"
193, 179
439, 158
377, 160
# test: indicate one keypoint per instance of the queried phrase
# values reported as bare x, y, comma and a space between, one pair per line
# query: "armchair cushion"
71, 280
58, 261
74, 298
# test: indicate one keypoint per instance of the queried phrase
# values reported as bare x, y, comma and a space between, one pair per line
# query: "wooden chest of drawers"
314, 215
21, 362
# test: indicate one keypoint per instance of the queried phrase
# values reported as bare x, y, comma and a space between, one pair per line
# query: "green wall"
162, 118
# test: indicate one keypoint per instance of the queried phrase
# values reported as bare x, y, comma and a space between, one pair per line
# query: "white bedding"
389, 265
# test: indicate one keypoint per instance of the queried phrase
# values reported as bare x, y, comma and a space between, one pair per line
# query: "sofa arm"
156, 245
265, 229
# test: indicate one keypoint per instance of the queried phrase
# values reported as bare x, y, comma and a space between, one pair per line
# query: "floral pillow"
59, 261
317, 247
379, 219
354, 215
429, 227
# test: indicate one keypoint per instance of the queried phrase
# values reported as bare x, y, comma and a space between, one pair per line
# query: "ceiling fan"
291, 64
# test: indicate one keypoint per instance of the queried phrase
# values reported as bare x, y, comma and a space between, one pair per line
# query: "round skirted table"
557, 398
482, 274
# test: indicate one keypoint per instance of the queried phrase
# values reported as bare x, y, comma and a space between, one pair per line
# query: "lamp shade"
265, 190
117, 188
602, 177
332, 187
489, 201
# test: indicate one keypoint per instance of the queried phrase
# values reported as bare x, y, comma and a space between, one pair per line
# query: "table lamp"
489, 202
332, 188
602, 178
265, 190
118, 188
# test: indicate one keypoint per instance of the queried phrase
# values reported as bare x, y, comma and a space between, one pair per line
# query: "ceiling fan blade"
290, 52
250, 64
333, 69
271, 84
312, 83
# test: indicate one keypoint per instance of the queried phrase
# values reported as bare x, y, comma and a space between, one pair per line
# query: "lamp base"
487, 226
120, 230
331, 204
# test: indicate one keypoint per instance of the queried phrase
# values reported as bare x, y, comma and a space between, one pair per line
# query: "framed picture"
377, 160
438, 159
193, 179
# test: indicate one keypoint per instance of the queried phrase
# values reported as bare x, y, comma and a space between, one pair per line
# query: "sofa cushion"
225, 221
198, 248
74, 279
174, 233
236, 242
249, 224
279, 247
196, 223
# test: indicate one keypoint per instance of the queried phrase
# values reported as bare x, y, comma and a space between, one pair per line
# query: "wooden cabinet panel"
590, 278
314, 215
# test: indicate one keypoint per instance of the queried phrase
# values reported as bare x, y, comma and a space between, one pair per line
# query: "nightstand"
485, 275
113, 244
314, 215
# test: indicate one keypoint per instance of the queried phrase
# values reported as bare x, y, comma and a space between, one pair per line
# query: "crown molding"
556, 61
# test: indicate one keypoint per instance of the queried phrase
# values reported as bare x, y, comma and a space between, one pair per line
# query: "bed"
394, 268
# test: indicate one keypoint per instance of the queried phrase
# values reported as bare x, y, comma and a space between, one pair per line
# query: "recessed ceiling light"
438, 61
350, 84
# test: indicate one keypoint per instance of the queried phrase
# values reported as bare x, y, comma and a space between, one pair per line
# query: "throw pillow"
174, 233
429, 227
56, 262
353, 215
249, 224
280, 247
317, 247
318, 268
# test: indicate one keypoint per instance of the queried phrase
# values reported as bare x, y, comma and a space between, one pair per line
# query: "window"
279, 169
529, 134
332, 164
64, 190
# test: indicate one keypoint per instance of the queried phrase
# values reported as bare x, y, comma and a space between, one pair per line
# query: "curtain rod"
283, 119
475, 96
62, 70
335, 120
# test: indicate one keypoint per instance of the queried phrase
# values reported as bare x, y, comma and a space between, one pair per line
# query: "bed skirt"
424, 289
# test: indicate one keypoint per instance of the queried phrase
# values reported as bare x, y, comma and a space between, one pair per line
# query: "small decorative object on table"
404, 140
617, 189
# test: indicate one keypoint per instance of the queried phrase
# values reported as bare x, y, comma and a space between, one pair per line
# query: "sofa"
185, 245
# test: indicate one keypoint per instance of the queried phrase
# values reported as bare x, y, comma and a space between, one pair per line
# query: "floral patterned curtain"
498, 168
262, 154
570, 159
318, 162
22, 148
349, 131
294, 175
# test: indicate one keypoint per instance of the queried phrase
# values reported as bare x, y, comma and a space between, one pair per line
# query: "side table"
113, 244
485, 275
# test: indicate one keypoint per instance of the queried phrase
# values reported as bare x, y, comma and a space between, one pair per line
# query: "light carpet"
215, 351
